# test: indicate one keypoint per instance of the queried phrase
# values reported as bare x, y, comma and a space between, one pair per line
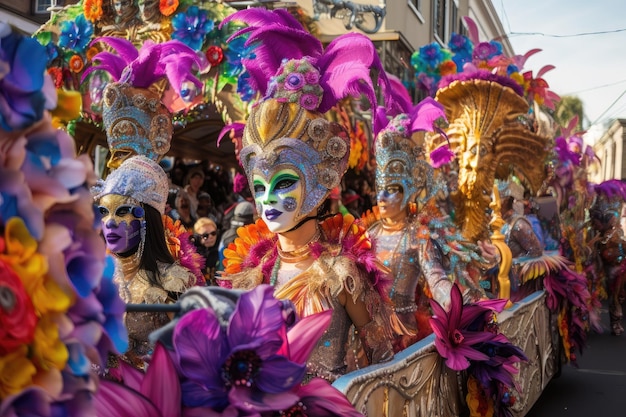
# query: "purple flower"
76, 35
239, 364
460, 44
294, 81
485, 50
25, 88
191, 27
309, 101
312, 77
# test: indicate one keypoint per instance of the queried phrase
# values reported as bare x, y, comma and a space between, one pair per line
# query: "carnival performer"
136, 116
605, 220
293, 158
415, 240
131, 202
518, 231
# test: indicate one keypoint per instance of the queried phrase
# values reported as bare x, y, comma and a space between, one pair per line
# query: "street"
596, 388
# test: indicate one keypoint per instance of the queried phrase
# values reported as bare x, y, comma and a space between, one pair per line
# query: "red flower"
57, 76
17, 314
215, 55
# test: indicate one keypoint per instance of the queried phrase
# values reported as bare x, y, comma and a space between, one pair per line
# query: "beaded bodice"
521, 238
175, 279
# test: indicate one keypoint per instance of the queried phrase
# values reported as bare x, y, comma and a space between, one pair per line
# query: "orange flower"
167, 7
447, 68
76, 64
91, 52
93, 9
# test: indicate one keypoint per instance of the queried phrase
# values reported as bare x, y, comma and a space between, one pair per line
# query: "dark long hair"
155, 248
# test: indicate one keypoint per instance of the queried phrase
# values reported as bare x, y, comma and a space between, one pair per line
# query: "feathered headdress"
610, 195
135, 118
300, 81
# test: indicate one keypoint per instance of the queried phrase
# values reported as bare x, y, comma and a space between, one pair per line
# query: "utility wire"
573, 35
595, 88
609, 108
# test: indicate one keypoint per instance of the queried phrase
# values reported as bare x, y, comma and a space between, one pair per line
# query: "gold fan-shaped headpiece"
490, 141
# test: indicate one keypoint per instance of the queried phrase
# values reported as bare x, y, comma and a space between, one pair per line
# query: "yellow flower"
47, 350
16, 372
32, 267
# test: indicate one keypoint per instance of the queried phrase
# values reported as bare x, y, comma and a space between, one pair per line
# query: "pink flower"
453, 339
309, 101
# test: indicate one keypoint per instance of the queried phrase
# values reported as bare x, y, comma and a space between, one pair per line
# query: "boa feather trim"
181, 248
256, 245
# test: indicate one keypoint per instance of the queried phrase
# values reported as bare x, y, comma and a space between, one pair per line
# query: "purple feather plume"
611, 188
277, 36
345, 66
141, 68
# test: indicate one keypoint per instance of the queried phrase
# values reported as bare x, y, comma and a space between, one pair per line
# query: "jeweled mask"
281, 135
400, 159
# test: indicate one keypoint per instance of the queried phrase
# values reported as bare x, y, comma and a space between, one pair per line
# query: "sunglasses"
206, 235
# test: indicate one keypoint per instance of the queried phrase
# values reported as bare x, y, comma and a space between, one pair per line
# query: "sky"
586, 42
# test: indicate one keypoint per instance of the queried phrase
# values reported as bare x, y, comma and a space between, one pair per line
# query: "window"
456, 25
41, 6
439, 20
416, 6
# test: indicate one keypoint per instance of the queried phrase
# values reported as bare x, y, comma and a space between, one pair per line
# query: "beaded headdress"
135, 119
400, 148
300, 81
138, 177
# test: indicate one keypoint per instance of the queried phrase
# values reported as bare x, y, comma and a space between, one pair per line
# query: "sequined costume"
412, 234
338, 266
605, 213
137, 289
521, 238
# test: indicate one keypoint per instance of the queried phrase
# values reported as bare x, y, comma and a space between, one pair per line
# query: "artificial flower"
16, 372
48, 352
190, 27
167, 7
17, 314
460, 44
76, 35
57, 76
215, 55
479, 404
76, 64
155, 393
25, 87
447, 68
21, 253
239, 364
93, 9
453, 341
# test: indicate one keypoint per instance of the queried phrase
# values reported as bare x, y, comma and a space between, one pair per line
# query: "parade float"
443, 374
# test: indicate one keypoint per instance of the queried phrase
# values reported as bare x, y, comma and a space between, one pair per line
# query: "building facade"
610, 151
